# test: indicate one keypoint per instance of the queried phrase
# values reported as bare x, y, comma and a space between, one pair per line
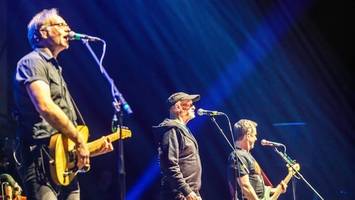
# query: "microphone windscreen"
263, 142
200, 112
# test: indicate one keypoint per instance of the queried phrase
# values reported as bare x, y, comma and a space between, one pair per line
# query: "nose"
67, 29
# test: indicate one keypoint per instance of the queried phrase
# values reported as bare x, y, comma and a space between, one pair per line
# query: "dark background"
284, 64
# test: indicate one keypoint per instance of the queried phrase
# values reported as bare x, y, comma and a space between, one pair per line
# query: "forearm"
247, 188
59, 120
280, 188
40, 95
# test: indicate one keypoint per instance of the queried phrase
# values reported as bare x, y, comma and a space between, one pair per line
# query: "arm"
193, 196
282, 187
247, 188
39, 93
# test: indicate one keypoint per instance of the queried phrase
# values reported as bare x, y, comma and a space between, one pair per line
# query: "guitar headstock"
126, 133
294, 168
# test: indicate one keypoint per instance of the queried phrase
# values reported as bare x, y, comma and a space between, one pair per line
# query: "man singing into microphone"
46, 107
178, 151
244, 173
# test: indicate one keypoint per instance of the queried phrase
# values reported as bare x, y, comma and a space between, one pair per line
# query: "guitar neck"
96, 144
288, 178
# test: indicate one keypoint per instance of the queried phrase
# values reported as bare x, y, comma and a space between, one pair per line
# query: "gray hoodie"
180, 162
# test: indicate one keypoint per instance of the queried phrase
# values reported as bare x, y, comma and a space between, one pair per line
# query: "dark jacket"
180, 162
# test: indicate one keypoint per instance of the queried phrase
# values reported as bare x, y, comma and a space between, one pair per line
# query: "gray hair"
243, 127
36, 23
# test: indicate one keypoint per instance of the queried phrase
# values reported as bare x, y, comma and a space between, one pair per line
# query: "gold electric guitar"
62, 150
291, 172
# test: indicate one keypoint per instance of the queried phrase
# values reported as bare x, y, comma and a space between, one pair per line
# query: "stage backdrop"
283, 64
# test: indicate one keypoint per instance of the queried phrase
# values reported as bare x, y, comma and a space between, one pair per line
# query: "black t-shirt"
38, 65
247, 165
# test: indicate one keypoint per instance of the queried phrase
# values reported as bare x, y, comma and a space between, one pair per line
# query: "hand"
283, 186
192, 196
105, 147
83, 155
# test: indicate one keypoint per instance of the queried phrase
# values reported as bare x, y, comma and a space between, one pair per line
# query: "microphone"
201, 112
269, 143
78, 36
8, 178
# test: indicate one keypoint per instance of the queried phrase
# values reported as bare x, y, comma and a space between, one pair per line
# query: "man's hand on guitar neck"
283, 186
105, 147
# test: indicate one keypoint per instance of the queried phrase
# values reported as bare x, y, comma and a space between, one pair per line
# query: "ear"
246, 136
178, 106
43, 34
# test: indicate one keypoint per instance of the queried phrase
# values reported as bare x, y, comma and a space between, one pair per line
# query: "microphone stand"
291, 162
232, 147
221, 132
294, 181
117, 121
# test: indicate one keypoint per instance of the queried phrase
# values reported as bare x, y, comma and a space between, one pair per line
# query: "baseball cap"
178, 96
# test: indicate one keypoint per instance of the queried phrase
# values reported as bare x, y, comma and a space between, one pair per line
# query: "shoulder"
235, 153
170, 131
31, 60
239, 154
30, 68
167, 125
32, 56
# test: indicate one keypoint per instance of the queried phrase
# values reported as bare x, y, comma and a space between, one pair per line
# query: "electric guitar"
277, 193
62, 150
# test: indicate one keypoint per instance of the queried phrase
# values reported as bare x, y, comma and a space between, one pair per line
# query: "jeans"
35, 174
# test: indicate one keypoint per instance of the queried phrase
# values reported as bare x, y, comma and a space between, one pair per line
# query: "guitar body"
64, 162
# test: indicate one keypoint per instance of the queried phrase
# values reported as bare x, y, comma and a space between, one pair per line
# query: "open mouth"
66, 37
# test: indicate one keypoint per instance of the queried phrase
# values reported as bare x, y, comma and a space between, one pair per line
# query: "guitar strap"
77, 110
241, 162
260, 171
266, 179
64, 84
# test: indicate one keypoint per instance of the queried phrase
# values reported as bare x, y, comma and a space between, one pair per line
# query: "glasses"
252, 135
186, 104
62, 24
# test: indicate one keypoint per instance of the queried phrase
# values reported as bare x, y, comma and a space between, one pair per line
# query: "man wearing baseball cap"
180, 162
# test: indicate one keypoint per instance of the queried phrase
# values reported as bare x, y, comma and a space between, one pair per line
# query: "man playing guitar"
45, 107
245, 175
